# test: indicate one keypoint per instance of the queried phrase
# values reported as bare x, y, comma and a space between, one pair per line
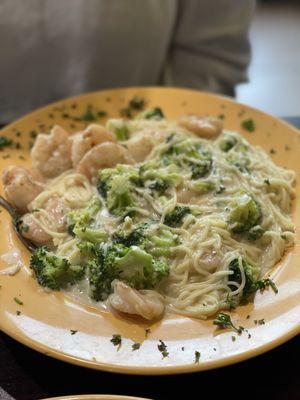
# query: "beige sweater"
51, 49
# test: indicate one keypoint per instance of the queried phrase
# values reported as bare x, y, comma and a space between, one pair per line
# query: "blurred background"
52, 49
274, 72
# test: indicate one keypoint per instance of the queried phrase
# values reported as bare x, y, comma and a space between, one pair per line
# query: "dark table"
28, 375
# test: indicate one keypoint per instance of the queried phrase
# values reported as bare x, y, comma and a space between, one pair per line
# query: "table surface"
28, 375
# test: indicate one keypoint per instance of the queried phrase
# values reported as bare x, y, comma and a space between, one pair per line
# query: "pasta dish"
148, 214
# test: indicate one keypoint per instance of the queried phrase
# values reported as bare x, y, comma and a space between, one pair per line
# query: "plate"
96, 397
62, 328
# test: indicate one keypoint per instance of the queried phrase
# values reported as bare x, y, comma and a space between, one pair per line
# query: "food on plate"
147, 215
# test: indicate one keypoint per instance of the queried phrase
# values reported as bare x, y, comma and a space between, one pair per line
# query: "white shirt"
52, 49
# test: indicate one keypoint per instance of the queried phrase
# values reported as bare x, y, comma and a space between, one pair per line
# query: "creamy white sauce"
80, 293
13, 261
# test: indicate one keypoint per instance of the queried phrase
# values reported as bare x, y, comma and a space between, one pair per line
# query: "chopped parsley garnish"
147, 331
18, 312
90, 114
18, 301
5, 141
135, 346
265, 283
259, 321
248, 125
233, 338
33, 134
73, 331
223, 321
267, 182
197, 356
135, 104
162, 347
116, 340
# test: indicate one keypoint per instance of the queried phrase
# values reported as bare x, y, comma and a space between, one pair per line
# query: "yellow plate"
47, 318
96, 397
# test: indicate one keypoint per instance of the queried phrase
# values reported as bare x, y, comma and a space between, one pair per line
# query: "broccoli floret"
158, 180
227, 143
131, 264
133, 238
52, 271
186, 153
159, 186
155, 114
87, 248
252, 283
91, 235
251, 275
140, 269
122, 133
244, 213
159, 245
119, 128
256, 232
240, 161
175, 218
119, 196
116, 185
200, 170
202, 187
80, 219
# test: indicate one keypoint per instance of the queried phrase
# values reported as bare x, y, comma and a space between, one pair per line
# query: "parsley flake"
116, 340
162, 347
223, 321
248, 125
135, 346
18, 301
197, 356
147, 331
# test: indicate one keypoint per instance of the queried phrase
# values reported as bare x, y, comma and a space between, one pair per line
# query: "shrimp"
83, 142
32, 230
141, 144
146, 303
51, 154
104, 155
210, 260
20, 186
207, 127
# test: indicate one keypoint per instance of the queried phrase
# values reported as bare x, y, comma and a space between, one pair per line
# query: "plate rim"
154, 370
96, 397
